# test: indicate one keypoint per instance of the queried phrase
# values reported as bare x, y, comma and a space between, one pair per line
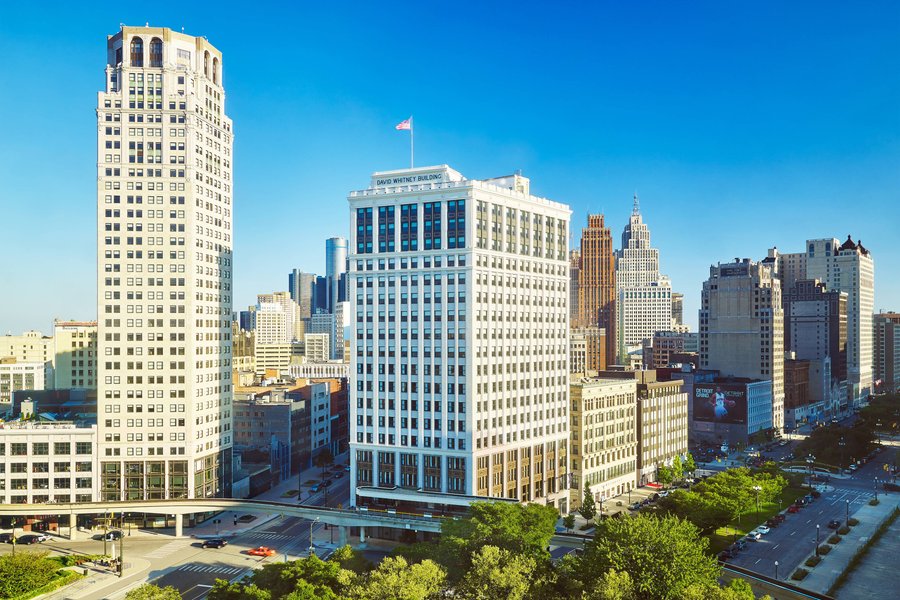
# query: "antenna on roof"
146, 23
636, 209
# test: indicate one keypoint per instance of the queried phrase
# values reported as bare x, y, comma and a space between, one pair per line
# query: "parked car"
28, 539
890, 487
43, 537
338, 475
779, 518
261, 551
314, 488
854, 467
754, 536
741, 544
113, 535
773, 522
793, 508
635, 505
215, 543
809, 497
724, 555
834, 524
6, 538
763, 529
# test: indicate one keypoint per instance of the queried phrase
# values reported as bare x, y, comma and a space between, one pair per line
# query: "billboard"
720, 403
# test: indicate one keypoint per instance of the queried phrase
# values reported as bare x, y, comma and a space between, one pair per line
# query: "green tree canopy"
663, 556
588, 509
395, 579
24, 571
677, 468
497, 573
690, 465
613, 586
664, 475
148, 591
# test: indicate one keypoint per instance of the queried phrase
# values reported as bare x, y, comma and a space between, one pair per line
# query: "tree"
305, 578
588, 508
324, 459
497, 573
148, 591
614, 586
569, 522
663, 556
664, 475
690, 466
23, 572
395, 579
222, 590
677, 468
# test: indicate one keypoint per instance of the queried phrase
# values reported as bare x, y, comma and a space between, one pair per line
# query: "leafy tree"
350, 559
148, 591
588, 508
664, 475
324, 459
677, 468
614, 586
222, 590
23, 572
737, 589
395, 579
569, 522
497, 573
690, 466
707, 512
663, 556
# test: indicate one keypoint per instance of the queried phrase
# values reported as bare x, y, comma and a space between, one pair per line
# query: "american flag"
407, 124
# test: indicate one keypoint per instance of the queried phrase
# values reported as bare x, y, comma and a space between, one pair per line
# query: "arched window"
216, 71
206, 63
156, 52
137, 52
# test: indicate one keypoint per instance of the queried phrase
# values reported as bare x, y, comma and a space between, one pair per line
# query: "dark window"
364, 231
386, 229
137, 52
156, 48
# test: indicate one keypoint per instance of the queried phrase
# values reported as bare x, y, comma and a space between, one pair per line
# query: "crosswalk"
166, 550
221, 570
266, 535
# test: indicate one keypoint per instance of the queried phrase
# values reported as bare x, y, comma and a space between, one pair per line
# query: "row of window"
43, 448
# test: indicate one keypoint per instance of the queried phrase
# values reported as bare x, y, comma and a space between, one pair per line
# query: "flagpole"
411, 143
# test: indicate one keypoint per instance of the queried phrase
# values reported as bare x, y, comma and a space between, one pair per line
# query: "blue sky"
742, 125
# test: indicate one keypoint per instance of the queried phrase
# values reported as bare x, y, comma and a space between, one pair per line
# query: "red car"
793, 508
261, 551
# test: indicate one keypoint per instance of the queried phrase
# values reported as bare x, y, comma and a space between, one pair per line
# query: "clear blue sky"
741, 125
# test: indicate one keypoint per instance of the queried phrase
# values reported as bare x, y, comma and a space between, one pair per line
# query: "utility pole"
121, 555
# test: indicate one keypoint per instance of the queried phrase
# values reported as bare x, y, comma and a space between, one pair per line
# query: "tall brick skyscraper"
597, 281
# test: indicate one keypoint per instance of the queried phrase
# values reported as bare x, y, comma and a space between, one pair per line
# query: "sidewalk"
228, 527
822, 576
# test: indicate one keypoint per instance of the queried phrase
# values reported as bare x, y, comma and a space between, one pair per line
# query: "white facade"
317, 347
320, 405
29, 347
644, 297
849, 268
164, 211
75, 354
273, 325
459, 376
332, 369
15, 376
604, 437
48, 462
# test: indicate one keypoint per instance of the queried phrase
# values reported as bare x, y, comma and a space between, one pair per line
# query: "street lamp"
311, 523
842, 443
776, 569
817, 540
876, 488
757, 489
847, 523
810, 459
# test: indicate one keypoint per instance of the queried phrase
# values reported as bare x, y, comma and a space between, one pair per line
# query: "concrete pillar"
342, 535
179, 526
362, 537
73, 532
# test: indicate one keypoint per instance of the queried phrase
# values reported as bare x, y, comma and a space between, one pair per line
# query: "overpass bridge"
340, 518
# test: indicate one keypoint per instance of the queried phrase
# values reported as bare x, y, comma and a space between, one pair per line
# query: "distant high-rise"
597, 281
644, 298
335, 271
677, 309
164, 212
887, 351
815, 324
302, 288
742, 329
850, 268
574, 274
75, 355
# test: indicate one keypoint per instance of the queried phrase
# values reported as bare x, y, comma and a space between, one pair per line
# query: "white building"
15, 376
273, 325
48, 462
332, 369
164, 208
29, 347
75, 354
849, 268
604, 437
459, 376
644, 297
317, 347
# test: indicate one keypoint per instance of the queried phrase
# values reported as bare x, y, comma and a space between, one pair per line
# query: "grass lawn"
290, 493
725, 536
